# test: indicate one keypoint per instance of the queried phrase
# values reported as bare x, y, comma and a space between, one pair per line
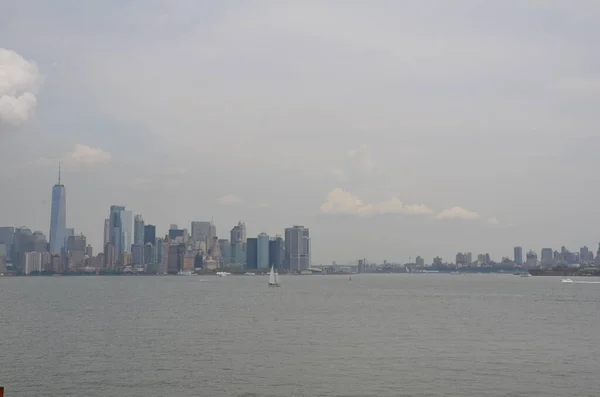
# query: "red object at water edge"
1, 391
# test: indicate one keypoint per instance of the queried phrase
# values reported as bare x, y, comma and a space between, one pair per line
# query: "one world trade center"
58, 217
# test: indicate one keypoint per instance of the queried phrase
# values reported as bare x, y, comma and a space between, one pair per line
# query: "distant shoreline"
547, 273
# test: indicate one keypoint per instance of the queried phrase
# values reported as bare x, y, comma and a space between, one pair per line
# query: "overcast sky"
389, 128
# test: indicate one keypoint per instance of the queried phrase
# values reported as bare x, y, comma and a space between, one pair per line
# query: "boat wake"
570, 281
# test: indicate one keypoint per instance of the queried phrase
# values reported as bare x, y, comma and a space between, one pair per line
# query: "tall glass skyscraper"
58, 217
116, 236
126, 230
263, 251
138, 230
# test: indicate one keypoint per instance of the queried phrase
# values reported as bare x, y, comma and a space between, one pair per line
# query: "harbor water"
379, 335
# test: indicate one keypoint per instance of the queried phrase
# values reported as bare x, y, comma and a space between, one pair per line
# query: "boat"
273, 278
223, 274
525, 275
249, 274
566, 280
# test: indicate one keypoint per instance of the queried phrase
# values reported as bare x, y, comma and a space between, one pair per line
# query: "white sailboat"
273, 278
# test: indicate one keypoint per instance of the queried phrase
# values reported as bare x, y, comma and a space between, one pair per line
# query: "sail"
272, 279
276, 278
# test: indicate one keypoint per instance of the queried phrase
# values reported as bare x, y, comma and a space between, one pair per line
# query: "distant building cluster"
550, 259
131, 245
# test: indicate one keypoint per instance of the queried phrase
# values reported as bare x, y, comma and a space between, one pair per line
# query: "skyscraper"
7, 236
276, 252
519, 255
238, 243
150, 234
238, 233
225, 251
584, 254
297, 248
58, 217
262, 251
200, 231
116, 229
547, 259
138, 230
252, 253
127, 230
76, 246
531, 261
106, 231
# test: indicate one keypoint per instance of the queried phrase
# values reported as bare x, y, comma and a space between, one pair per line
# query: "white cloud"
339, 201
86, 155
493, 221
458, 213
19, 82
230, 199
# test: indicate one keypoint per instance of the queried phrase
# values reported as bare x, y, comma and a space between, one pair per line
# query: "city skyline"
123, 229
393, 131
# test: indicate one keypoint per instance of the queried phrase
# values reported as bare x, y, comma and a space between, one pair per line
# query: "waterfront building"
277, 252
419, 262
531, 261
110, 256
547, 257
176, 254
33, 262
518, 255
252, 253
297, 248
262, 251
584, 254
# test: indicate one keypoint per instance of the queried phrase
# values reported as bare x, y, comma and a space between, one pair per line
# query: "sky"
390, 128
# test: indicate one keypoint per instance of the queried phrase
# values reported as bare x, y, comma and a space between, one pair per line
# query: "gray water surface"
380, 335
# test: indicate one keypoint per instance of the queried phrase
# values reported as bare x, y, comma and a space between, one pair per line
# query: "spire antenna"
59, 172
